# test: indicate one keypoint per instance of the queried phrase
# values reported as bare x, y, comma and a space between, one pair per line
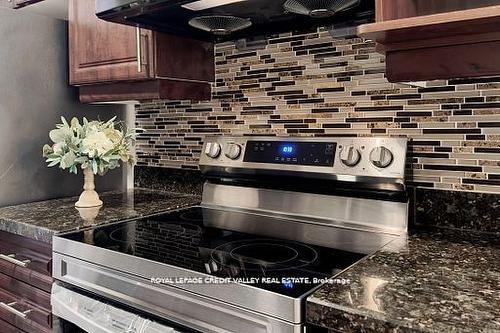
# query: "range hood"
222, 20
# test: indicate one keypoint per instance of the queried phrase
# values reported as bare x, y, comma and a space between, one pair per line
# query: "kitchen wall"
314, 85
34, 93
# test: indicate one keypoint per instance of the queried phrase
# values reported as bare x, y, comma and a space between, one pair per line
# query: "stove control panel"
342, 158
295, 153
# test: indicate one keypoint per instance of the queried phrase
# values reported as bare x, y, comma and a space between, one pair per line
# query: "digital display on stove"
299, 153
287, 150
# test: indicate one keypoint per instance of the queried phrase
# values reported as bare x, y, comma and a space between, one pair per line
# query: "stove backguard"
353, 183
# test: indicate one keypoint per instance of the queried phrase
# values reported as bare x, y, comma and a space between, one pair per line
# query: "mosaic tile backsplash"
315, 85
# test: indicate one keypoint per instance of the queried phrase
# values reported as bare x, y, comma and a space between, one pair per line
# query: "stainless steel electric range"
279, 217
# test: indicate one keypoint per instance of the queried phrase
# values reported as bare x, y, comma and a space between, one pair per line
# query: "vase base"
88, 199
79, 204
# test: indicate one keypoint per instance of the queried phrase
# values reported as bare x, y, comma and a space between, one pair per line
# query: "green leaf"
75, 123
68, 160
110, 122
81, 159
53, 163
47, 150
63, 120
56, 135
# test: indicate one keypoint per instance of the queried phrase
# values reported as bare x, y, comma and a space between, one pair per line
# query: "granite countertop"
41, 220
431, 281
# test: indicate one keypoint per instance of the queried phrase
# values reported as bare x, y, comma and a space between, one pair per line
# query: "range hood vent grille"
319, 8
220, 25
230, 20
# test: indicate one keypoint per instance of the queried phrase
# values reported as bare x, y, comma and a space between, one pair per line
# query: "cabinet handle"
10, 308
12, 259
139, 48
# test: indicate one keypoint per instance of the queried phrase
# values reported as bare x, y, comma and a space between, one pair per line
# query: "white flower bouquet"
97, 145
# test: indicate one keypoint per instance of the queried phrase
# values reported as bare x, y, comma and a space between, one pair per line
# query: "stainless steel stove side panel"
245, 296
365, 214
185, 308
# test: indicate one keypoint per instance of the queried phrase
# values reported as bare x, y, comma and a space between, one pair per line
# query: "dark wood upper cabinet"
102, 52
436, 39
397, 9
112, 62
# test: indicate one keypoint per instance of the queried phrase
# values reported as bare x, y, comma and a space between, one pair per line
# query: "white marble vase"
89, 197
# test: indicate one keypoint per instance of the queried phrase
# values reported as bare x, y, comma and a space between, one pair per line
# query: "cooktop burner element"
120, 235
192, 216
264, 254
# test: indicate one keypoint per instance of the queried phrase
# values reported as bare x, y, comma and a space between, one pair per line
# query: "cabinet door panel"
104, 52
35, 319
20, 249
8, 328
27, 275
25, 292
397, 9
182, 58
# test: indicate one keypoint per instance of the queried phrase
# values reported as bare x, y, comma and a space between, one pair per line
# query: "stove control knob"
350, 156
232, 151
381, 157
212, 149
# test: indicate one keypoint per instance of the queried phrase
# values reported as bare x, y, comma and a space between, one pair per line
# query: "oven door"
78, 312
175, 305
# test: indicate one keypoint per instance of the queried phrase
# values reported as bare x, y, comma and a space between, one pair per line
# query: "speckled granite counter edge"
357, 321
338, 317
44, 234
26, 230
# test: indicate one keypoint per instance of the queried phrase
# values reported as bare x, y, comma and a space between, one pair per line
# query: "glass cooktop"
193, 239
